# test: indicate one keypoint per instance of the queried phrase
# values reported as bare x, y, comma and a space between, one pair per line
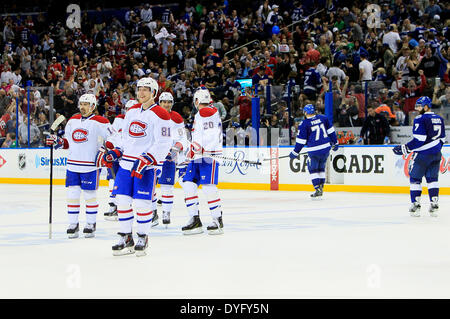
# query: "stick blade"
57, 122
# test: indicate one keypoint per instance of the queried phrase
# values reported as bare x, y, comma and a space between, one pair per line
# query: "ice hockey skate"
434, 208
317, 195
73, 230
89, 230
193, 227
414, 210
155, 220
125, 246
112, 213
141, 246
166, 218
216, 227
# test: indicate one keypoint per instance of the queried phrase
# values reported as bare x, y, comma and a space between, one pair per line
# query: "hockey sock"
91, 206
191, 198
112, 198
433, 189
214, 202
315, 179
125, 213
73, 203
321, 178
144, 215
415, 190
167, 197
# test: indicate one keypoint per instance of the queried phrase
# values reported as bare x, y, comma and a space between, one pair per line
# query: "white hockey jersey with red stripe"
82, 137
179, 135
207, 131
118, 123
145, 131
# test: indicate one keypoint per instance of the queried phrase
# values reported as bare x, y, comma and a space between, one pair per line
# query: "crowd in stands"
380, 64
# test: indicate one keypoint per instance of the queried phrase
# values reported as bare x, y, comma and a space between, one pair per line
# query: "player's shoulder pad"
120, 116
176, 117
161, 112
207, 111
100, 119
418, 117
136, 106
76, 117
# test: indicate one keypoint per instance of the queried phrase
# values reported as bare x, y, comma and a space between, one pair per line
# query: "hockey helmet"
130, 103
309, 109
89, 98
166, 96
422, 101
150, 83
202, 96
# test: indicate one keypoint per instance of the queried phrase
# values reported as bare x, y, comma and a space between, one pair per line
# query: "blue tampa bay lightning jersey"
313, 80
317, 134
428, 134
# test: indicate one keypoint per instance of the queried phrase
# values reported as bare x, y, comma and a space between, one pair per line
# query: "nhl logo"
22, 161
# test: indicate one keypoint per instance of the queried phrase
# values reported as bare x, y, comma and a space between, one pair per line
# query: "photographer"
348, 112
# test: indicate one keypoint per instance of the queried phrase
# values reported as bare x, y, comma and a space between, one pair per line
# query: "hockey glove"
177, 148
293, 155
143, 161
401, 150
112, 156
55, 141
195, 149
335, 147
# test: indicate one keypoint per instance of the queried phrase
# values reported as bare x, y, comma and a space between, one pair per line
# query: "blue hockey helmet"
422, 101
309, 109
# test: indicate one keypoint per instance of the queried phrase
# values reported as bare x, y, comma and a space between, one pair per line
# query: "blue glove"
401, 150
360, 141
143, 161
293, 155
386, 140
55, 141
335, 147
112, 156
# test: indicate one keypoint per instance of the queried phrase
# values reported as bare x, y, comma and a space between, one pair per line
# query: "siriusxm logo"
45, 161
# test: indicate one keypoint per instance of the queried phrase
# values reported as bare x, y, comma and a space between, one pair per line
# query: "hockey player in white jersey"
145, 142
203, 169
81, 137
112, 168
174, 159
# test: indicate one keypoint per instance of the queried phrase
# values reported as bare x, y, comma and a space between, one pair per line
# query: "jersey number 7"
317, 129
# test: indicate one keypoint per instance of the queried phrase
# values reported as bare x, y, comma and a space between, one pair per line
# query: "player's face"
85, 109
166, 104
420, 109
144, 94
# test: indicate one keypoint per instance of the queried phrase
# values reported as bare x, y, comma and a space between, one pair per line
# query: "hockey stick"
236, 159
54, 126
280, 157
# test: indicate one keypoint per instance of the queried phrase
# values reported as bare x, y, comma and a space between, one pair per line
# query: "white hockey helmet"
166, 96
89, 98
150, 83
130, 103
202, 96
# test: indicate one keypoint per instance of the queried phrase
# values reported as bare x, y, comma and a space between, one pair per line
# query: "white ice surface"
275, 245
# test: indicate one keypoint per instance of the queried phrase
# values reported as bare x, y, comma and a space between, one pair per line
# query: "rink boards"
352, 169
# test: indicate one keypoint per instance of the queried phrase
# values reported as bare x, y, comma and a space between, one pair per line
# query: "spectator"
365, 69
375, 128
35, 134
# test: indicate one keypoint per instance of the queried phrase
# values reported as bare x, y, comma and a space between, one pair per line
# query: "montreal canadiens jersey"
428, 134
118, 122
207, 131
145, 131
316, 134
179, 135
85, 136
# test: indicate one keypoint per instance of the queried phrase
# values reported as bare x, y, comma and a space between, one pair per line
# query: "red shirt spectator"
53, 67
245, 107
413, 92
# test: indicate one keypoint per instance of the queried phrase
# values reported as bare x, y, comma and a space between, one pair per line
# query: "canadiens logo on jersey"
137, 129
80, 135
